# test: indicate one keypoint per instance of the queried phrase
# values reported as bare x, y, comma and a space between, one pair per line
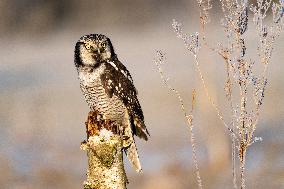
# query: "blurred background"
42, 110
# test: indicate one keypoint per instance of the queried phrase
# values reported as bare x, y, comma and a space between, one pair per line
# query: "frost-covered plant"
159, 61
243, 81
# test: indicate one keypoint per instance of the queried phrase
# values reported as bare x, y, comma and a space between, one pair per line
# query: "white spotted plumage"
127, 75
113, 65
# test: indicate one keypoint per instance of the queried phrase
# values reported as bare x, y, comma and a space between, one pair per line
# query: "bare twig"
159, 61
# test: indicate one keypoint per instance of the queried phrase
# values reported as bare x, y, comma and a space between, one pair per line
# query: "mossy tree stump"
105, 157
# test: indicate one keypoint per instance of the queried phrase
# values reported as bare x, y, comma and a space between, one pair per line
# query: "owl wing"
117, 81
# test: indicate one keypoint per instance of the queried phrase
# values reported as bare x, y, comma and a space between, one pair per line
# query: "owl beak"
96, 50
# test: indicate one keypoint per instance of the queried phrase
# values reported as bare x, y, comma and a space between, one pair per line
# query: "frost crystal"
191, 42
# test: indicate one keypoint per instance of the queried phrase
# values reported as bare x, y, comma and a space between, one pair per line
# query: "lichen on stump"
104, 151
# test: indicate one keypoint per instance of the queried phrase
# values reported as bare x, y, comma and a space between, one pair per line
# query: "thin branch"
160, 59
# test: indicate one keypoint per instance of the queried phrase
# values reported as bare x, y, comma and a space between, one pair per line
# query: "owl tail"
140, 128
132, 155
130, 148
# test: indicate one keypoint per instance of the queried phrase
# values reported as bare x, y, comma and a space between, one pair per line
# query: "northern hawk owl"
108, 88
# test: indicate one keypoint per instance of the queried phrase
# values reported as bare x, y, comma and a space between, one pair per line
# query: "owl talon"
125, 137
83, 142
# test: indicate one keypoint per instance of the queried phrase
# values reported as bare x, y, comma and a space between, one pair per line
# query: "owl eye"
103, 45
88, 47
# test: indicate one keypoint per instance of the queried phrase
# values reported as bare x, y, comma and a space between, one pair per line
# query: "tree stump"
105, 155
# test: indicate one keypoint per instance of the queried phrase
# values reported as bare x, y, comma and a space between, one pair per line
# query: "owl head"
92, 49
